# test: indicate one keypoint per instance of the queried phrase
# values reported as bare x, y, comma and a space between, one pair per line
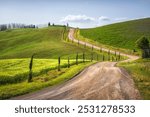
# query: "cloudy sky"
78, 13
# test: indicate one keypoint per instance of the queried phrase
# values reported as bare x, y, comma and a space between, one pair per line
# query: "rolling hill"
45, 42
120, 35
16, 48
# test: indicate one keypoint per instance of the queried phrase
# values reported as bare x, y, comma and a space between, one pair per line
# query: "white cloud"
84, 21
77, 18
104, 18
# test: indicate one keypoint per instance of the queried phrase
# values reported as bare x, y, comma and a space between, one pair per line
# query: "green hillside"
120, 35
16, 48
46, 42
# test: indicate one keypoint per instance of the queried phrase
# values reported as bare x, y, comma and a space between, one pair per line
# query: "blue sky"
78, 13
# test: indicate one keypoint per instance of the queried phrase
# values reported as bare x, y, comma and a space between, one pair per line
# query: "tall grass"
16, 70
51, 78
140, 71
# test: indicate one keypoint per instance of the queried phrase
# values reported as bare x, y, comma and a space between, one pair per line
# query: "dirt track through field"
99, 81
72, 38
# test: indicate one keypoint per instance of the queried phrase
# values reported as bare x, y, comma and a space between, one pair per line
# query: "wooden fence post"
108, 55
68, 62
59, 63
119, 56
83, 57
97, 57
108, 58
112, 58
91, 57
115, 53
92, 47
30, 68
77, 59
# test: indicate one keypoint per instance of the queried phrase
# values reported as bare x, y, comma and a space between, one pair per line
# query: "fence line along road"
72, 38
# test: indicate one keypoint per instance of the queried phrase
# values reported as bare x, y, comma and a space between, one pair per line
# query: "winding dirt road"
71, 37
101, 81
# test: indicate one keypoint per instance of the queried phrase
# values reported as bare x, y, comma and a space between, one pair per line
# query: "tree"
49, 24
30, 68
77, 59
143, 44
59, 63
3, 27
9, 26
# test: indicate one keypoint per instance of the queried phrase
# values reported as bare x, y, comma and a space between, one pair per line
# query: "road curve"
101, 81
72, 38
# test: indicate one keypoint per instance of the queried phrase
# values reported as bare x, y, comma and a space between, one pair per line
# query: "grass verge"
17, 70
52, 78
140, 71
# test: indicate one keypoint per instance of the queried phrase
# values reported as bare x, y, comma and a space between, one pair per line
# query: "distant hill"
46, 42
120, 35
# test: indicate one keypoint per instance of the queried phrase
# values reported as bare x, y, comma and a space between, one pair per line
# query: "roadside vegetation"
50, 45
140, 71
50, 78
17, 70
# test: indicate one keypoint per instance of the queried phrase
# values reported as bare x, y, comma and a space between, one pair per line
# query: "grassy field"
119, 35
16, 48
17, 70
45, 42
140, 71
50, 78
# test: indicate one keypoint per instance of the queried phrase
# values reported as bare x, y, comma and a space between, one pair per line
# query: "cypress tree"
30, 68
